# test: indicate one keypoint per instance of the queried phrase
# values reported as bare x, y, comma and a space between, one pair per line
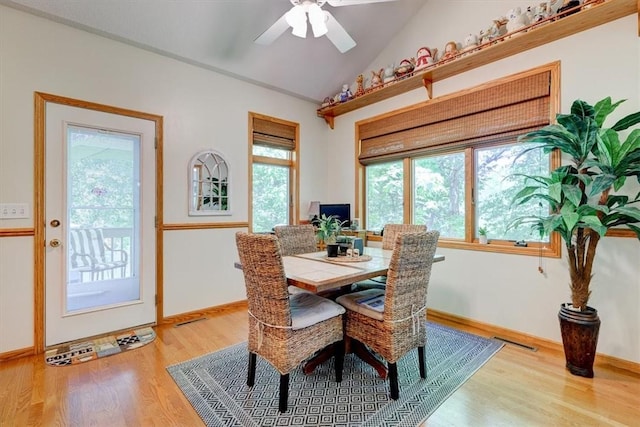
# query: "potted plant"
327, 232
583, 207
482, 235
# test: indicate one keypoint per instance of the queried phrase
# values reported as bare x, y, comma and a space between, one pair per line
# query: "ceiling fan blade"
338, 35
337, 3
273, 32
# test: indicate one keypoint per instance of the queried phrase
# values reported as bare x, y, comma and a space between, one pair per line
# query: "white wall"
508, 290
201, 110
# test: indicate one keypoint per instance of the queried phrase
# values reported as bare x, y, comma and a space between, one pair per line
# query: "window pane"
496, 186
439, 194
276, 153
270, 197
384, 195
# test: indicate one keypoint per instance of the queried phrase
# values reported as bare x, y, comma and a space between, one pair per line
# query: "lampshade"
314, 209
297, 18
318, 19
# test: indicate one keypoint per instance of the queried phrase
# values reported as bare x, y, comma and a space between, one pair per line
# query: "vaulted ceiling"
219, 35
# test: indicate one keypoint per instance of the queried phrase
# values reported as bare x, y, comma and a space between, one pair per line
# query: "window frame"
291, 163
552, 248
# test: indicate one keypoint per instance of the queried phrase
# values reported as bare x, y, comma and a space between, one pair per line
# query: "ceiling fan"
322, 22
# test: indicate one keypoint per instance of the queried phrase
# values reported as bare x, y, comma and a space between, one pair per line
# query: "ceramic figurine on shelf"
568, 5
345, 94
541, 12
516, 20
470, 43
376, 78
326, 102
389, 75
360, 85
425, 57
450, 51
405, 68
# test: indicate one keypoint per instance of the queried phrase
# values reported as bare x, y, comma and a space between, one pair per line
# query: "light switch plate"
14, 210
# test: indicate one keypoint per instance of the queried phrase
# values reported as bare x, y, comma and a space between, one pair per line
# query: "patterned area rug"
215, 384
79, 352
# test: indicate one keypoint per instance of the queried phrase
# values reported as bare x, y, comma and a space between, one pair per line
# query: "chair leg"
421, 362
393, 381
251, 373
284, 392
339, 359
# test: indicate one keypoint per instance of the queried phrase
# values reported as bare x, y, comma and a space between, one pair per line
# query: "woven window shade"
273, 134
483, 116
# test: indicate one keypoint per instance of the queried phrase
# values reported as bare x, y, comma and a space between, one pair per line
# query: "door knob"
54, 243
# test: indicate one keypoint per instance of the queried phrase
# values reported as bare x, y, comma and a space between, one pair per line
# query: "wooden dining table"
320, 274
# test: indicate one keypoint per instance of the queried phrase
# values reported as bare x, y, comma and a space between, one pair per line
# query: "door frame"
40, 102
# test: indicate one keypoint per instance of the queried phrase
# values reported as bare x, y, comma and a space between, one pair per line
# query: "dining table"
318, 273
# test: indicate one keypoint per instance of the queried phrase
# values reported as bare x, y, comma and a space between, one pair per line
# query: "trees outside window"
384, 194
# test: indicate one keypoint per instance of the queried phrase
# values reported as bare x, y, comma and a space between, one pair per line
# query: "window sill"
548, 250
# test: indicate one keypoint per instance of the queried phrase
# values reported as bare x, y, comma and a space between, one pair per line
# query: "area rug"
215, 385
84, 351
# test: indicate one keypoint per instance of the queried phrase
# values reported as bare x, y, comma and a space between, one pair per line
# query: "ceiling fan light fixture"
297, 19
318, 20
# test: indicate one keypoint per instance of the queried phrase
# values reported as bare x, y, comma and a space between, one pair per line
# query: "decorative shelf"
536, 35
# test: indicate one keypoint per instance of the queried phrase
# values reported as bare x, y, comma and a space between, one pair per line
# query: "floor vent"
526, 347
190, 321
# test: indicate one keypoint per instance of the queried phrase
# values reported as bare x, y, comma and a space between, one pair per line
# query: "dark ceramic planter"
332, 250
579, 331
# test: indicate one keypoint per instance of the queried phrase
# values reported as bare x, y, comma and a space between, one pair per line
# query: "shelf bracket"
428, 84
329, 120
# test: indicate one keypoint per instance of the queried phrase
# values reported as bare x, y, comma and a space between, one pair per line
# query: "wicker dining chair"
400, 326
296, 239
389, 233
284, 329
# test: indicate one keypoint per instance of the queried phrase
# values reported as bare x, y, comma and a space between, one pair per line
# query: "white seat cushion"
350, 302
308, 309
295, 290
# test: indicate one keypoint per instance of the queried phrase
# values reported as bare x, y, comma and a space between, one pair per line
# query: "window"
452, 163
274, 171
384, 195
439, 193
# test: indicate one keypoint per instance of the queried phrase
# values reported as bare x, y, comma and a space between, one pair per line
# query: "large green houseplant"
583, 205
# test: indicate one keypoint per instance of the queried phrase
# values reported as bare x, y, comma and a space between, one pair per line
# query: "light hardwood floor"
515, 388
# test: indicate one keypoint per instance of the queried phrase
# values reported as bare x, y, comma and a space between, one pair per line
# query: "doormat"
79, 352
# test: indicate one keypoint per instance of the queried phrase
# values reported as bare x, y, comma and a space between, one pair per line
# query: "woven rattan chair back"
390, 231
296, 239
264, 278
409, 273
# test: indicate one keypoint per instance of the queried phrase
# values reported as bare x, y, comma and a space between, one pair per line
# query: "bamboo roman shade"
273, 134
485, 115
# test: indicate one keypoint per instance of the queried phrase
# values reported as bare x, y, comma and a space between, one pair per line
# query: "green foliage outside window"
384, 195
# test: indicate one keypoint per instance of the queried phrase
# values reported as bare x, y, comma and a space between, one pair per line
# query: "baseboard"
530, 340
210, 311
17, 354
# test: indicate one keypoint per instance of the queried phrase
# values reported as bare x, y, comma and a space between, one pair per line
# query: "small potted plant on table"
327, 232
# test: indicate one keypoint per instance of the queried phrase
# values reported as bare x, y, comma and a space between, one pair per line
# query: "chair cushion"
350, 302
296, 290
308, 309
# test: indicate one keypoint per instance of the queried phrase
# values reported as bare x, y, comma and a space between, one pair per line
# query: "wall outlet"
14, 210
